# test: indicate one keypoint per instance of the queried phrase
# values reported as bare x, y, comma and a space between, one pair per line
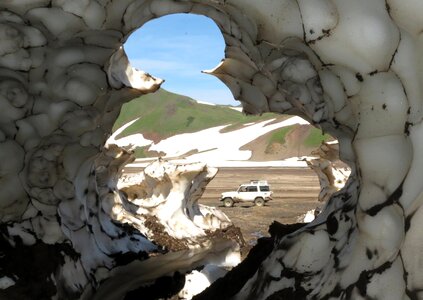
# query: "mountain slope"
175, 126
164, 114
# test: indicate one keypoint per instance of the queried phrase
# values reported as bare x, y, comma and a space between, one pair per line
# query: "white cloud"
217, 96
163, 66
185, 44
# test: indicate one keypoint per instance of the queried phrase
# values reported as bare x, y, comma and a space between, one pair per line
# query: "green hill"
164, 114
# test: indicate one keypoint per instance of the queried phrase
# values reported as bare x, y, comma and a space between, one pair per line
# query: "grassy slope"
164, 114
278, 136
314, 138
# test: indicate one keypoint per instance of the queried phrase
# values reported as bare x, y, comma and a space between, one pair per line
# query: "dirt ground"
295, 192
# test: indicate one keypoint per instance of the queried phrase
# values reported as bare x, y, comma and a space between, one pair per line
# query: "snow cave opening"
178, 48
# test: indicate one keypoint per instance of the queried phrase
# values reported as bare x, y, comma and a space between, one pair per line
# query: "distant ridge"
164, 114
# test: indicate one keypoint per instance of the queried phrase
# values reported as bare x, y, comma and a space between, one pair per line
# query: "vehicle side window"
264, 188
252, 189
243, 189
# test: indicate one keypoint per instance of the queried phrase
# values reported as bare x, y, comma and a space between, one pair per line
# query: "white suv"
257, 191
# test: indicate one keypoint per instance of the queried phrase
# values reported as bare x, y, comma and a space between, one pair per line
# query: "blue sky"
177, 48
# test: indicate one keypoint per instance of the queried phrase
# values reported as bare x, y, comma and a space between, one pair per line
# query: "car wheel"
259, 202
228, 202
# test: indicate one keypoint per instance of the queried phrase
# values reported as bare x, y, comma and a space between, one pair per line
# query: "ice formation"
169, 193
353, 68
332, 174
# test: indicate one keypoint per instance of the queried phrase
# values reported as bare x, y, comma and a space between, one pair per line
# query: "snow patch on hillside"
128, 142
214, 146
206, 103
211, 146
293, 162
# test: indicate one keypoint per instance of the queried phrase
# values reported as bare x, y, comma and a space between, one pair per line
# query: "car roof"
261, 183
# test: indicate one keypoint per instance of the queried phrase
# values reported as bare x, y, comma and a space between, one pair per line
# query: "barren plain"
295, 192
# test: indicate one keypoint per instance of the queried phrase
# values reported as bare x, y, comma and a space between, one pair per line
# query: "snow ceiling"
354, 68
